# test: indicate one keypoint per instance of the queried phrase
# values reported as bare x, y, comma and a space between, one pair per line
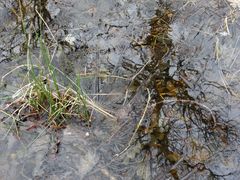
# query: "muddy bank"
185, 53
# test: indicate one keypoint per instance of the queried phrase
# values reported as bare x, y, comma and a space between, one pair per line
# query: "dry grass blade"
138, 125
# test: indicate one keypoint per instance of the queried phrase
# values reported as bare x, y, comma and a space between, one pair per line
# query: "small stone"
87, 134
70, 39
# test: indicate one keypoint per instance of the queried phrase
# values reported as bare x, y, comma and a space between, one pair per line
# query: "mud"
184, 52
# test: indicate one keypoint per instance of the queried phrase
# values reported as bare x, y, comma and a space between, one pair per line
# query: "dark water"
184, 52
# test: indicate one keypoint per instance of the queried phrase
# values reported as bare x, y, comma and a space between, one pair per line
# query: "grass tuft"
43, 99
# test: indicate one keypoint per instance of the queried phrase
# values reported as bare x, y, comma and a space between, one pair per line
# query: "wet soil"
184, 52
